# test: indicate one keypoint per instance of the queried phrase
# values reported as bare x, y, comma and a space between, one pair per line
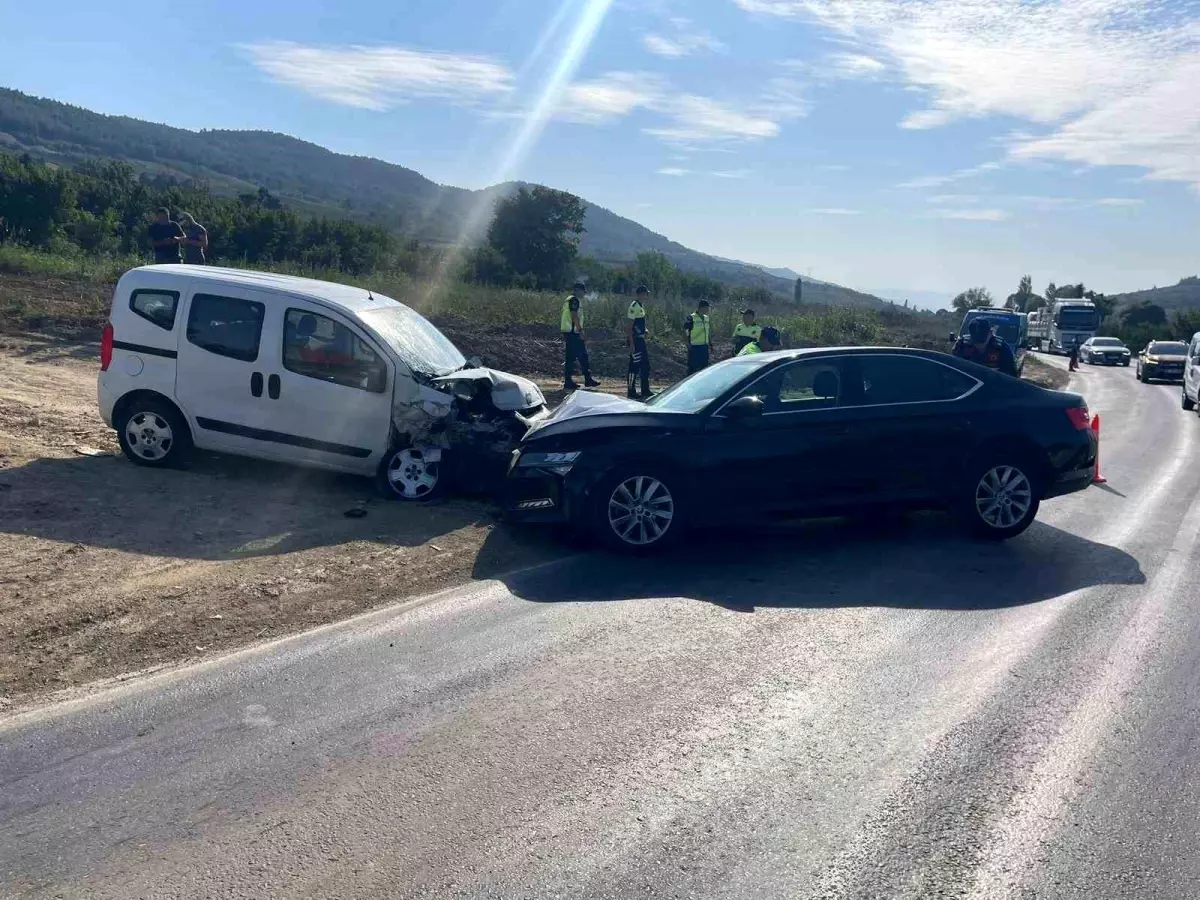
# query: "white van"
299, 371
1191, 375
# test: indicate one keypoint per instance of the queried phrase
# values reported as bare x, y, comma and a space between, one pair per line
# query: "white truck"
1063, 326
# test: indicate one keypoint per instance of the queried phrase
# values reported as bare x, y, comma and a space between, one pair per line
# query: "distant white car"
299, 371
1104, 351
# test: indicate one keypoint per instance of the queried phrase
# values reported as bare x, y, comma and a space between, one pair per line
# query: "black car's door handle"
273, 387
256, 384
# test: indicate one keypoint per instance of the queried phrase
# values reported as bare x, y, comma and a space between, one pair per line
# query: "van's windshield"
418, 343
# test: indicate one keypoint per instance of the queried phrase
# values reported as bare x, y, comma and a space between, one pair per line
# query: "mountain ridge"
318, 181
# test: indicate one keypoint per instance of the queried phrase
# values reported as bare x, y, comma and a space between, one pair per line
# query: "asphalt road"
838, 710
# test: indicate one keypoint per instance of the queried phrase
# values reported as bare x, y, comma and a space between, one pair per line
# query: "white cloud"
380, 78
611, 96
736, 174
703, 119
674, 171
1110, 82
834, 211
1119, 201
682, 39
691, 121
953, 198
973, 215
932, 181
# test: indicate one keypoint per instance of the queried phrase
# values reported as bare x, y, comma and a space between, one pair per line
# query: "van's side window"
157, 307
227, 326
318, 347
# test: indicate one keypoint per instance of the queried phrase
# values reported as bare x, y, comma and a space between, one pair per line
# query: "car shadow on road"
221, 508
918, 562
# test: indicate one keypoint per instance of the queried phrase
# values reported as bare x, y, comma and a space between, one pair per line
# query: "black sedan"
805, 433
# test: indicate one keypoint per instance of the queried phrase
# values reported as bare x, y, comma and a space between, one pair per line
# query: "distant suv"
1162, 361
1104, 351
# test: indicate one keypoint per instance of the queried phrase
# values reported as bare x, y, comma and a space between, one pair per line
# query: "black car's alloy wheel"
636, 510
1003, 500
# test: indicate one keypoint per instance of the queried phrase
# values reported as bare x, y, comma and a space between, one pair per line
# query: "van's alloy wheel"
411, 476
149, 435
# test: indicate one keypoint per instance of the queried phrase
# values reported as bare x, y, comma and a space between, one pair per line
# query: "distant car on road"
1104, 351
1162, 361
808, 433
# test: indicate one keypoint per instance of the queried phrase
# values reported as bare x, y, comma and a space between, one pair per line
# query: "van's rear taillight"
1080, 417
106, 347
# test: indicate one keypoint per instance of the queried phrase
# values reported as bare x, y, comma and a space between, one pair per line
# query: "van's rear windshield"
421, 346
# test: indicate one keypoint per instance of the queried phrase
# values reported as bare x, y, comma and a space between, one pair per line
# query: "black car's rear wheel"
1001, 498
636, 509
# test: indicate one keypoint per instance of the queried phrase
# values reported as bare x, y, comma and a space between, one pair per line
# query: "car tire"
1001, 496
153, 433
1186, 402
637, 509
406, 475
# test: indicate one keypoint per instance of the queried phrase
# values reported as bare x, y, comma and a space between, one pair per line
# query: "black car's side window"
888, 379
803, 385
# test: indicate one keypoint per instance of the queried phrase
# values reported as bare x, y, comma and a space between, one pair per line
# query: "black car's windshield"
1169, 348
416, 341
694, 393
1107, 342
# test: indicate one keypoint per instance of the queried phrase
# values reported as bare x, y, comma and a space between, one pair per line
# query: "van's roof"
348, 297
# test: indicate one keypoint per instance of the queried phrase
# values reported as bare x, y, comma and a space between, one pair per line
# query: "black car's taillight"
1080, 417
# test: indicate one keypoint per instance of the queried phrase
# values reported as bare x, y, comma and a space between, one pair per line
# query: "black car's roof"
855, 350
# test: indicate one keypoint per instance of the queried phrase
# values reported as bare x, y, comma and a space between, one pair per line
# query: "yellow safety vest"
750, 349
754, 332
566, 325
701, 333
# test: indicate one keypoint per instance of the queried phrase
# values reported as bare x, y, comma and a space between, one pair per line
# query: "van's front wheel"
412, 474
153, 433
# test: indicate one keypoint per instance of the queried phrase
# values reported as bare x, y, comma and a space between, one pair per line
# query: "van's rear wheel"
411, 474
153, 433
1187, 402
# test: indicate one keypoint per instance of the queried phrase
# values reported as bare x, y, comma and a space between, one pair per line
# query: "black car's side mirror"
743, 408
952, 338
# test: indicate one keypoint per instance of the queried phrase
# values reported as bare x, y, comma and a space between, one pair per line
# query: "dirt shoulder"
107, 568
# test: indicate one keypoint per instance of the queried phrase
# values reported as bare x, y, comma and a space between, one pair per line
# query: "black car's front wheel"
637, 509
1001, 498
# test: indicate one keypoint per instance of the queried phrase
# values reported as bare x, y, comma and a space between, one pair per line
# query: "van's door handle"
273, 387
256, 384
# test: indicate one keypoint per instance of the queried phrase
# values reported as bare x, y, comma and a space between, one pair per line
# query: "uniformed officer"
639, 357
698, 331
745, 332
768, 340
574, 348
981, 345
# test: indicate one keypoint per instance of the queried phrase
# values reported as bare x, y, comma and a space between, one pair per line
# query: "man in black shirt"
165, 237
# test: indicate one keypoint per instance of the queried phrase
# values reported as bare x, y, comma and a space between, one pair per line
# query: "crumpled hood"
509, 392
591, 403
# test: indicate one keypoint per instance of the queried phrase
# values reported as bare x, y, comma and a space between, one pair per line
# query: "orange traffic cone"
1098, 478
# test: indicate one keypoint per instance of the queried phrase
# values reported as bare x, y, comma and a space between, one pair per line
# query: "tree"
537, 232
1144, 313
1184, 324
1070, 292
799, 291
972, 298
1051, 293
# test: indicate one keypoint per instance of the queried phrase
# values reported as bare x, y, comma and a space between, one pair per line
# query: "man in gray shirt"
195, 240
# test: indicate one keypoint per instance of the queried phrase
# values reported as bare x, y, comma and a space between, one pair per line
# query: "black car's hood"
591, 411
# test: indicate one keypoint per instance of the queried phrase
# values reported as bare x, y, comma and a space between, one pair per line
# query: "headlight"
1152, 359
559, 463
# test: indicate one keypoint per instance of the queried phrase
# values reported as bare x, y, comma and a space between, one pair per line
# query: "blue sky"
925, 145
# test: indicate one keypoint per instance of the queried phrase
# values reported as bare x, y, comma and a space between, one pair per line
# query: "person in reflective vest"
745, 332
574, 347
767, 341
639, 357
981, 345
698, 330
